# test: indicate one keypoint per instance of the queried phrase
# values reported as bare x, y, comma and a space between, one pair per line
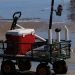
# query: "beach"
35, 15
41, 28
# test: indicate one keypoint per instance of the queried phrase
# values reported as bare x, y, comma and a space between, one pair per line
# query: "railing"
61, 50
40, 51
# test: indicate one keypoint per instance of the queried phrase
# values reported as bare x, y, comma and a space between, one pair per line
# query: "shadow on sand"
26, 73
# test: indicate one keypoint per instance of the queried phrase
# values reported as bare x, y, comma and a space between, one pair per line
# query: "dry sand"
41, 26
37, 25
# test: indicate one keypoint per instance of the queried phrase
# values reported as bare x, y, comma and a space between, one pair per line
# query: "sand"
41, 26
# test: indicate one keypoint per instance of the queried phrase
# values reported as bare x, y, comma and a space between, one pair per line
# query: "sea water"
33, 9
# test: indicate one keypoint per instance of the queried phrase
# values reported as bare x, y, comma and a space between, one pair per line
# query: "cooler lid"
20, 31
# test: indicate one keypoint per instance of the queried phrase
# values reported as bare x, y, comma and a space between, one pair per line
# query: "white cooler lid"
20, 32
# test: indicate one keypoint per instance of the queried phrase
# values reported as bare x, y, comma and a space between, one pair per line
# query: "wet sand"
37, 25
40, 26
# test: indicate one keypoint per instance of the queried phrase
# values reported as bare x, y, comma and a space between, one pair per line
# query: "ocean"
34, 9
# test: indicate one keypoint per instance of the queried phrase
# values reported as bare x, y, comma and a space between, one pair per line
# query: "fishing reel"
59, 10
16, 16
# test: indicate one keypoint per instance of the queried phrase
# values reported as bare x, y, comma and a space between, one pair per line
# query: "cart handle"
17, 14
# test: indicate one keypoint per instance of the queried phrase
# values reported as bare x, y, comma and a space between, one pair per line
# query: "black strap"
14, 23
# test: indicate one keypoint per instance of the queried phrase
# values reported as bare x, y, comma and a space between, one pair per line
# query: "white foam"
26, 20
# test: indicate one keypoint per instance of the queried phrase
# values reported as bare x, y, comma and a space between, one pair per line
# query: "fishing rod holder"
58, 12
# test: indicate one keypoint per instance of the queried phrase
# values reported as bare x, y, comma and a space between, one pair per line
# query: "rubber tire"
43, 68
8, 67
60, 67
24, 65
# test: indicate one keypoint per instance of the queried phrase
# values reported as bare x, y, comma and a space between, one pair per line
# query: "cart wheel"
8, 67
60, 67
43, 69
24, 65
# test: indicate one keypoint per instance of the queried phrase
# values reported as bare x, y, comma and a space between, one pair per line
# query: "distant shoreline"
35, 20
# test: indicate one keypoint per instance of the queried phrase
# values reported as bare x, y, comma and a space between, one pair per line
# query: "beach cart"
21, 47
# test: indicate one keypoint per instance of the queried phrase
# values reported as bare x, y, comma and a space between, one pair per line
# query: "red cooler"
19, 41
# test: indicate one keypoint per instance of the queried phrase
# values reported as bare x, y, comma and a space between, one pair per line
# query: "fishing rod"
51, 15
58, 13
